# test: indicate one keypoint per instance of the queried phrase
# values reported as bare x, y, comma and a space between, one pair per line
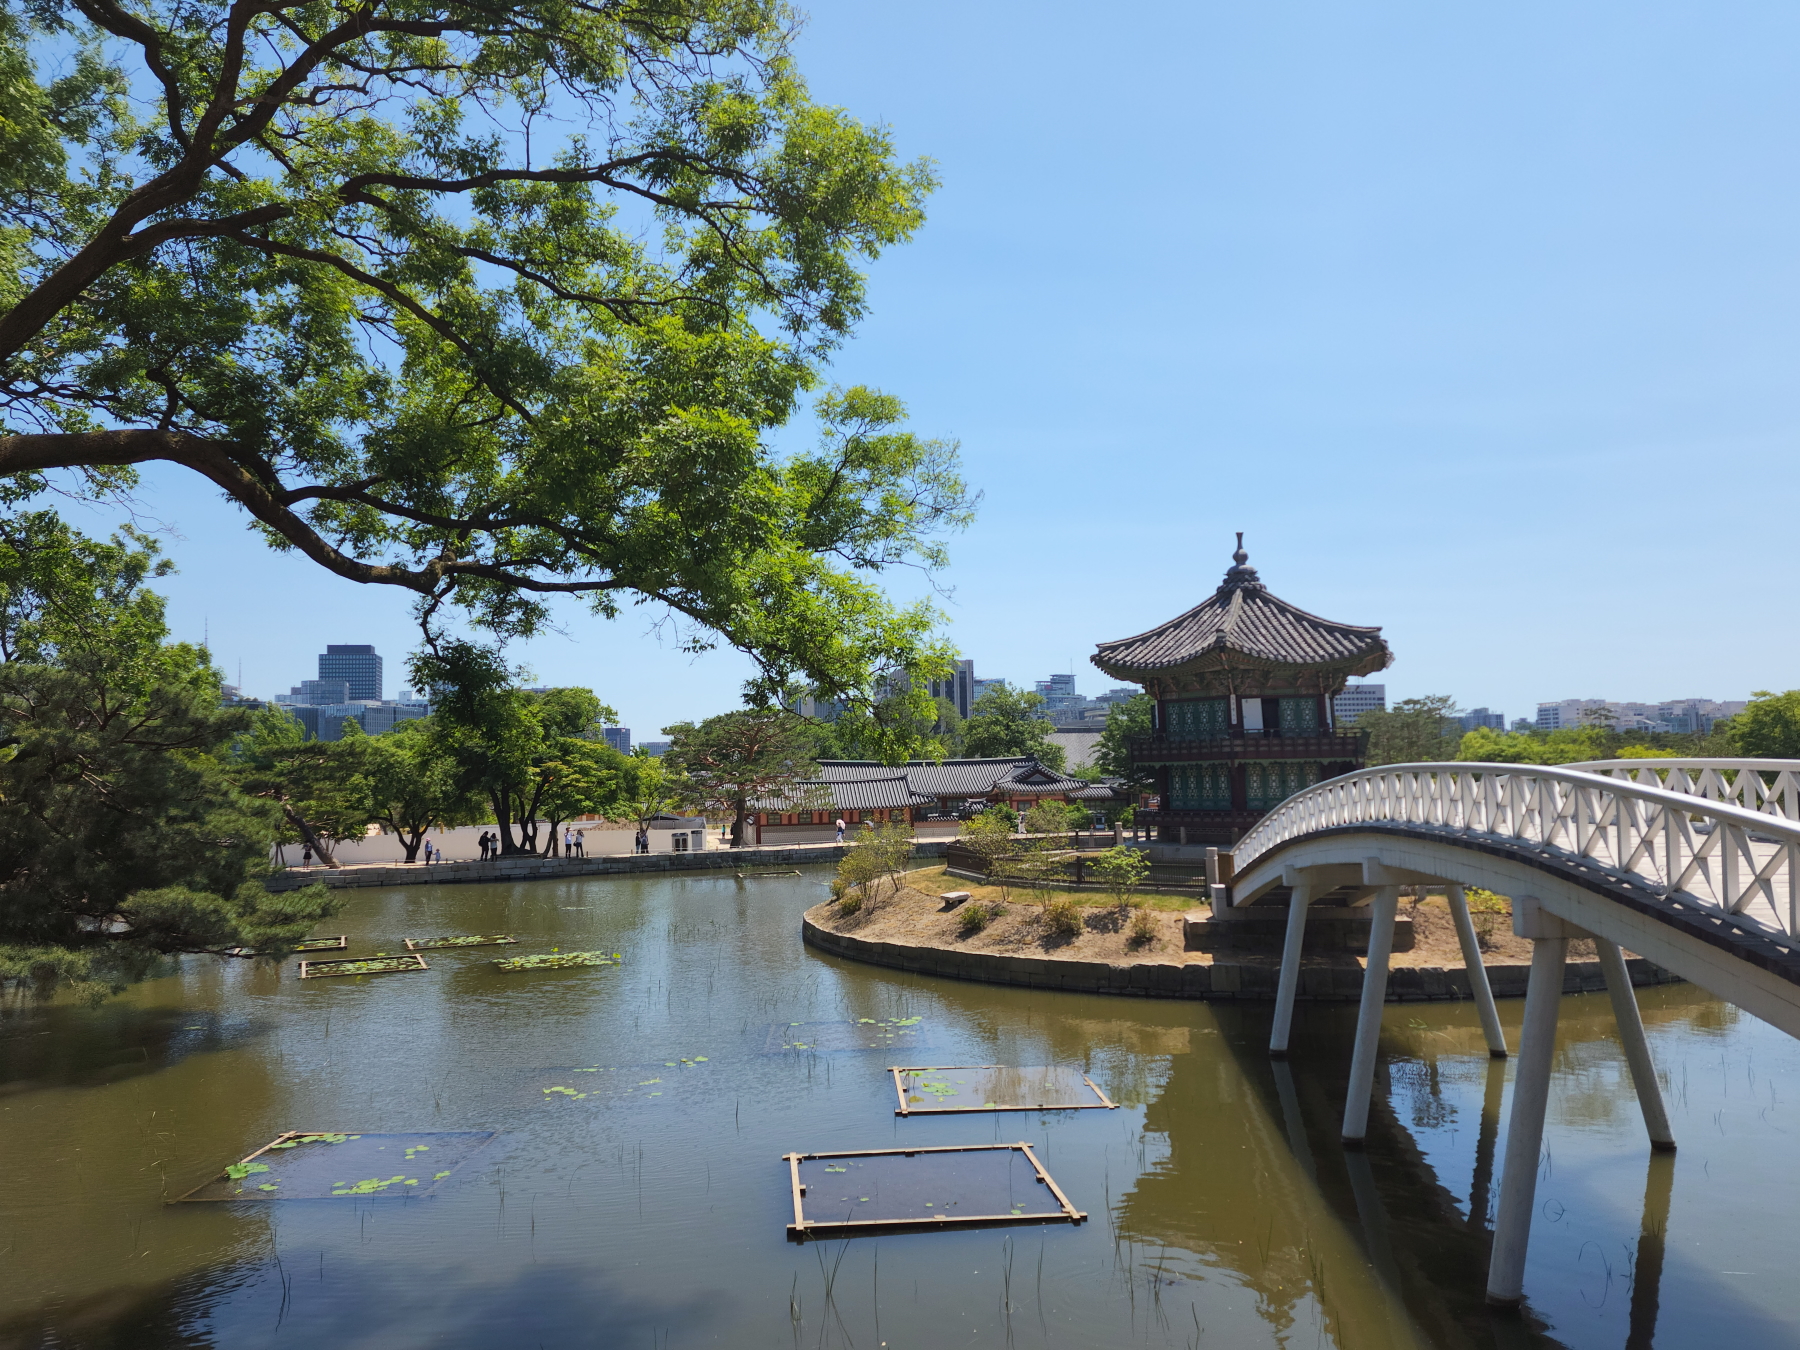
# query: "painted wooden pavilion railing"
1678, 827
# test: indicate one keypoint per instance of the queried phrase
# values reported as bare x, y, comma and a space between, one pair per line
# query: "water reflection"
1225, 1211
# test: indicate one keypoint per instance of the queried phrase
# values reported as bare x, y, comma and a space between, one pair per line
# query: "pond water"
644, 1200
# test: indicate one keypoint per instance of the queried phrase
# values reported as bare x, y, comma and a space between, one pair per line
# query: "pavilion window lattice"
1268, 784
1201, 787
1299, 717
1198, 719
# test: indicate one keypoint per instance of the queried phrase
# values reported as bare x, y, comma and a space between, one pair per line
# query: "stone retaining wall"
1220, 980
752, 859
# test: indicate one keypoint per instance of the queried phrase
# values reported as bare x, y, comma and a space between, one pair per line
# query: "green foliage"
1122, 870
1112, 752
902, 722
536, 759
1769, 728
975, 916
402, 781
1569, 745
882, 854
1062, 917
123, 839
1143, 928
1003, 724
1413, 731
1047, 816
486, 303
738, 757
649, 788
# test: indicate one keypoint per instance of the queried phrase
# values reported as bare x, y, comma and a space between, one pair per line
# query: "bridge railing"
1771, 786
1679, 842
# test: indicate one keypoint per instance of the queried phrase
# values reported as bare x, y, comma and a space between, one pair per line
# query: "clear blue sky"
1480, 322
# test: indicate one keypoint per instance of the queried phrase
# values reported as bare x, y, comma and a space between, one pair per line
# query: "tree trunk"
320, 847
502, 803
737, 823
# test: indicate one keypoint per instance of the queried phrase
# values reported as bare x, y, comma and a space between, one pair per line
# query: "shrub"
849, 902
1143, 928
1487, 910
1122, 870
1063, 917
972, 918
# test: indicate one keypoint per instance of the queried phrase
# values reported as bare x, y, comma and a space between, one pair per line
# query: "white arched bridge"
1694, 864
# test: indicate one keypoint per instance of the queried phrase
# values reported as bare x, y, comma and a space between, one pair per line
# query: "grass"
933, 881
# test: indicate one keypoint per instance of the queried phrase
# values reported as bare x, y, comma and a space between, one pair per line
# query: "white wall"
460, 844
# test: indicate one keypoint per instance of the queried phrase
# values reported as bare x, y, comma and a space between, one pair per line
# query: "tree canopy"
1413, 731
1112, 753
490, 300
123, 838
731, 760
1769, 727
1003, 723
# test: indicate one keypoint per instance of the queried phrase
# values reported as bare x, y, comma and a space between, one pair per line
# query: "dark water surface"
646, 1203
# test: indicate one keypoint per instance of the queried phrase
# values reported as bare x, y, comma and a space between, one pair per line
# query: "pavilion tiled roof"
1241, 618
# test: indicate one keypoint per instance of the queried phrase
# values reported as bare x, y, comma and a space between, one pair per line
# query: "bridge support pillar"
1637, 1046
1368, 1017
1479, 987
1531, 1096
1290, 964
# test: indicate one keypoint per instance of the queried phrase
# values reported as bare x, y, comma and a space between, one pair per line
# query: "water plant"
558, 960
472, 940
380, 964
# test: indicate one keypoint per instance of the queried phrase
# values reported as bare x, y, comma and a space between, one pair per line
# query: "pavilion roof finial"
1241, 573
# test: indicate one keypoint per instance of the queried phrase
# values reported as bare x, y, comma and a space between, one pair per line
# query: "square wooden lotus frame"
318, 970
340, 943
905, 1108
803, 1228
456, 944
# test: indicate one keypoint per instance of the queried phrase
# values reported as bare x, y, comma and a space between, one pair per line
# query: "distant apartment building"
1481, 717
819, 709
1356, 700
656, 749
619, 738
980, 687
1691, 715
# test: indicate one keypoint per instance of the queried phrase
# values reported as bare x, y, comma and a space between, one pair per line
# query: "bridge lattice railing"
1683, 834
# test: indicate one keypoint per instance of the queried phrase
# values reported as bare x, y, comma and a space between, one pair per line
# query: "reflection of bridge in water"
1692, 864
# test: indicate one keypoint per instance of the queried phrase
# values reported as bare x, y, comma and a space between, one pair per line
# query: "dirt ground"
916, 915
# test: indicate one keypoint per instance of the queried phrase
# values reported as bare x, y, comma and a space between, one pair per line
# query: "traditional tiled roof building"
1243, 684
858, 790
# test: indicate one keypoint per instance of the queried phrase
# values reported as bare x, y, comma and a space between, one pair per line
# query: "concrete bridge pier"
1550, 937
1301, 887
1478, 980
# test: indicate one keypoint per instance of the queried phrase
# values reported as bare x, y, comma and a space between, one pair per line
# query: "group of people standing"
574, 844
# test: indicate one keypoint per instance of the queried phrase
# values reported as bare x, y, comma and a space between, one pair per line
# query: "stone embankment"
754, 859
1149, 977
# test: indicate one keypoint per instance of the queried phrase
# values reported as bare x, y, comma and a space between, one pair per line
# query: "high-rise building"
619, 738
358, 666
1356, 700
959, 688
1481, 717
655, 748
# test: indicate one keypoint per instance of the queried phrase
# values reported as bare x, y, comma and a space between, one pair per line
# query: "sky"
1479, 321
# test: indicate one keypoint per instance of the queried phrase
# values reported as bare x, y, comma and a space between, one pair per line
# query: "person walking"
428, 853
581, 843
840, 829
306, 856
568, 842
487, 842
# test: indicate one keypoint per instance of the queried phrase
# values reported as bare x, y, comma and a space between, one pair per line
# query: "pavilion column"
1531, 1099
1479, 987
1290, 963
1368, 1019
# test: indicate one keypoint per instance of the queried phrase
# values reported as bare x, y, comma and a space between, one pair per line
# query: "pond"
634, 1192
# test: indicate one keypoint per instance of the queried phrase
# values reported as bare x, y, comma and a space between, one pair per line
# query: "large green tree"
1413, 731
731, 760
123, 838
1112, 752
1769, 726
493, 301
1004, 723
534, 757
